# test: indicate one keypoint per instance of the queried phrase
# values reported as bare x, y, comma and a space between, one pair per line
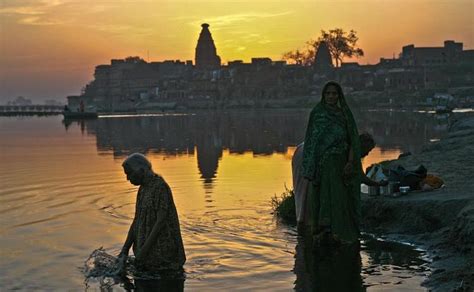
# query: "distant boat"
79, 115
82, 112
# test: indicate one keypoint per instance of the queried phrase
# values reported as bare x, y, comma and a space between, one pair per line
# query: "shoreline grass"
284, 206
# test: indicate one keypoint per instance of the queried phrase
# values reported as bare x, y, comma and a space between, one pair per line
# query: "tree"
300, 57
340, 44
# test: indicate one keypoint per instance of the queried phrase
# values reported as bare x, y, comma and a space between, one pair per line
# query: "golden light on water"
64, 194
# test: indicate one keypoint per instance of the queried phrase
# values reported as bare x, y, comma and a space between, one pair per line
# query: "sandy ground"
442, 221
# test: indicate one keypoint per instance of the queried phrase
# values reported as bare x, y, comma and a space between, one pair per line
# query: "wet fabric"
335, 201
154, 198
109, 272
300, 185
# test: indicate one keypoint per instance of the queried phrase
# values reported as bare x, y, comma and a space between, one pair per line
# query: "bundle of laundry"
411, 178
431, 182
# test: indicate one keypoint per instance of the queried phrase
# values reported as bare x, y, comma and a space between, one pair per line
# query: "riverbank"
441, 221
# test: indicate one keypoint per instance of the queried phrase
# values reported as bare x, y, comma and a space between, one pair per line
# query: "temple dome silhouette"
206, 55
322, 60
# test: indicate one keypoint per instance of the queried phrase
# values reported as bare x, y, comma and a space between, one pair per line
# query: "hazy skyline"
49, 48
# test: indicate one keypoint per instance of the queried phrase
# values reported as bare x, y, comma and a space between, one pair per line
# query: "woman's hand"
382, 183
347, 172
120, 263
123, 252
122, 256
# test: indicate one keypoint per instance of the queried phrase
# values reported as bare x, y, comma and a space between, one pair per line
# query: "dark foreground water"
63, 194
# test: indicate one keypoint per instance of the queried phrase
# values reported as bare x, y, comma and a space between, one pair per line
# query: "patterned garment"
326, 134
154, 197
334, 201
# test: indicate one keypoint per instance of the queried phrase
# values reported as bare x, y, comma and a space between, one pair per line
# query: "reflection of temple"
206, 134
209, 150
262, 133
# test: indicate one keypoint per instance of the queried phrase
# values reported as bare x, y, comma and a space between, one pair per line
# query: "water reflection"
222, 179
159, 285
390, 264
375, 264
325, 269
137, 284
207, 134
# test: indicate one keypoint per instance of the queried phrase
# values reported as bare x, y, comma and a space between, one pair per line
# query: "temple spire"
322, 59
206, 55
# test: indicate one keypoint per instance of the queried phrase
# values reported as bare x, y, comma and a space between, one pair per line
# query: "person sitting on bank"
155, 232
300, 185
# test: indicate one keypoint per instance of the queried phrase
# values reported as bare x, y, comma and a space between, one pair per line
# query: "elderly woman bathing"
154, 233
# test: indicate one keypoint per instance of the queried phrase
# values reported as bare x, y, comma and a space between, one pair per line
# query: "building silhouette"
206, 56
134, 85
432, 56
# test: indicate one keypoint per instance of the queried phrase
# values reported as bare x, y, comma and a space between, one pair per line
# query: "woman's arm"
308, 165
123, 255
350, 158
367, 181
348, 168
129, 241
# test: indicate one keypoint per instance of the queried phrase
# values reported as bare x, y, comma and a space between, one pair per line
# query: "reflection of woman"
331, 161
328, 269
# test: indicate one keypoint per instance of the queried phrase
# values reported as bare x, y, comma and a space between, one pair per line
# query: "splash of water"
106, 269
109, 271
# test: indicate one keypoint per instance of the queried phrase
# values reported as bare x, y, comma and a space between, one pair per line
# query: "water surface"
63, 194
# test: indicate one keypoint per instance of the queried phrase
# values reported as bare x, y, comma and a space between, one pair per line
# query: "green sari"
334, 201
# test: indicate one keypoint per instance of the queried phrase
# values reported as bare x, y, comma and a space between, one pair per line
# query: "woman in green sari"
331, 161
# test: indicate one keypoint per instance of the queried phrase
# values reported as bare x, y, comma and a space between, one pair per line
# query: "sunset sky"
49, 48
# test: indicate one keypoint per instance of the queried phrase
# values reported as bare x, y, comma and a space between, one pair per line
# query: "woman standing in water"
331, 161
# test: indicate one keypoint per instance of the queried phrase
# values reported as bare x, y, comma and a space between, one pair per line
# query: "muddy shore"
441, 221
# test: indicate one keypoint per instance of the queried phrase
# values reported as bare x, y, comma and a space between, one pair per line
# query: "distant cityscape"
134, 85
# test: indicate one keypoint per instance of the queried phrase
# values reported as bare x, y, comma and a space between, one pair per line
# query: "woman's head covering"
338, 88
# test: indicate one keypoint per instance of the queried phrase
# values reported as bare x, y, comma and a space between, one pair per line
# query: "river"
63, 194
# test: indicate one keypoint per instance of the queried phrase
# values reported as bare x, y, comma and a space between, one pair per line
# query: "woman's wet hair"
138, 161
